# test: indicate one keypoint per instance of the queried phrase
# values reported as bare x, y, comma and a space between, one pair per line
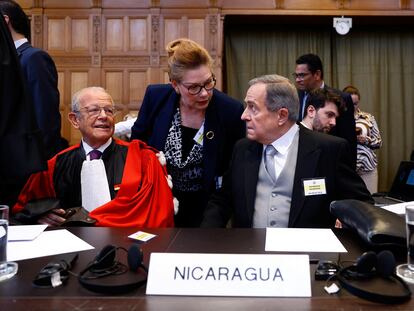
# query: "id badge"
314, 186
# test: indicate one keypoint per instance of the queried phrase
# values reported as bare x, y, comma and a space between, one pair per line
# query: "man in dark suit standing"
40, 76
21, 148
309, 76
282, 174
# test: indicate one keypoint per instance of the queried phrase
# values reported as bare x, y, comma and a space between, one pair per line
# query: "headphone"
373, 277
105, 274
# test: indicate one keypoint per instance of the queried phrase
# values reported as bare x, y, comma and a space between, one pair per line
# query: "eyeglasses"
300, 75
95, 111
194, 89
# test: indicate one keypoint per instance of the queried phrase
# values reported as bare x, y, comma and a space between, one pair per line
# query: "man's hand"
54, 218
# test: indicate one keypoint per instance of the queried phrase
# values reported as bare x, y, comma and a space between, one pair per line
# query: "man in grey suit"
282, 174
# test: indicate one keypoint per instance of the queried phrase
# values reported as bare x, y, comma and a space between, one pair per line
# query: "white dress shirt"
282, 146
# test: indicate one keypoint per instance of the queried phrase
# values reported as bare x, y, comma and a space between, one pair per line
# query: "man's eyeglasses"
300, 75
194, 89
95, 111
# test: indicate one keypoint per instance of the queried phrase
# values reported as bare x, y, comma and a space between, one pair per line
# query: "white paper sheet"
302, 240
398, 208
48, 243
25, 233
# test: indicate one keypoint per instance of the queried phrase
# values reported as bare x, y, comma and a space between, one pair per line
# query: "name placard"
267, 275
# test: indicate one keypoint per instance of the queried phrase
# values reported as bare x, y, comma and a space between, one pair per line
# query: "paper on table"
25, 233
48, 243
398, 208
302, 240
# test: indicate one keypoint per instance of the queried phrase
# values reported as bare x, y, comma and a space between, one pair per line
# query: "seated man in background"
323, 106
118, 183
282, 174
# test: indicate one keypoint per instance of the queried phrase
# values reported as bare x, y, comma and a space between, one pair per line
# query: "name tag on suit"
314, 186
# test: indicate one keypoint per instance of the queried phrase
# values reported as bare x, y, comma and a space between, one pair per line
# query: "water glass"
406, 271
7, 269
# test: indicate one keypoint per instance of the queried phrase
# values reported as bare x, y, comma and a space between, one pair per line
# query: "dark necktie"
95, 154
305, 97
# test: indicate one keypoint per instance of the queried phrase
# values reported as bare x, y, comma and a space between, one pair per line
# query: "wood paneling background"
120, 44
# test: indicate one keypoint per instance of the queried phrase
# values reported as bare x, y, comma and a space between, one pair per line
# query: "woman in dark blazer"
195, 125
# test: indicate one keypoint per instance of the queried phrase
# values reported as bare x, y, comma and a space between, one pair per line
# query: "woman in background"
368, 140
195, 125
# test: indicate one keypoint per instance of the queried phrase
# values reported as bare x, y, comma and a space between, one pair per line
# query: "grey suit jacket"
319, 156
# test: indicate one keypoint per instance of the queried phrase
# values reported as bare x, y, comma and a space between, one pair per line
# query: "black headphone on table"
105, 274
359, 278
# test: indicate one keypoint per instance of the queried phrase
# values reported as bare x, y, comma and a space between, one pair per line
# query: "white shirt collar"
322, 85
283, 143
102, 148
20, 42
305, 125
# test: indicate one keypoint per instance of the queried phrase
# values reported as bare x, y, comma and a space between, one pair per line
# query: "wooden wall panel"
64, 4
196, 30
138, 81
172, 30
114, 85
61, 85
166, 77
114, 34
78, 81
64, 109
80, 34
226, 5
308, 5
249, 4
126, 3
138, 40
56, 34
374, 5
120, 44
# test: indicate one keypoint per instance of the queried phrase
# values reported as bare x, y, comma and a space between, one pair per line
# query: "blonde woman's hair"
185, 54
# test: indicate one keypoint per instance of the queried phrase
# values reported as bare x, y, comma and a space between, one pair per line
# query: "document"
302, 240
398, 208
46, 244
25, 233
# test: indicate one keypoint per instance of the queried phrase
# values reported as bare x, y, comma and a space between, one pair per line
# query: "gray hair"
77, 97
280, 93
